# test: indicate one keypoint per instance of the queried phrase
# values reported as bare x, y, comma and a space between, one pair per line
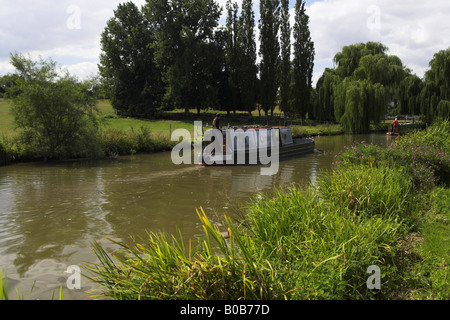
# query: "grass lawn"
158, 127
6, 119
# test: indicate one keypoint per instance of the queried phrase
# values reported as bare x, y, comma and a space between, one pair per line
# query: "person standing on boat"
395, 126
216, 122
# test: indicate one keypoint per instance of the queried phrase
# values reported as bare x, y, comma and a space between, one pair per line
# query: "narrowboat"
252, 145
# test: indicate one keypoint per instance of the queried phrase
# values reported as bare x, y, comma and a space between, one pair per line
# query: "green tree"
221, 92
324, 109
248, 68
407, 95
127, 63
285, 64
8, 85
184, 32
436, 86
233, 54
361, 86
270, 53
57, 114
303, 63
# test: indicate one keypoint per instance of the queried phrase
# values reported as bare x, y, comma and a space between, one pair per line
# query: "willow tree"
408, 95
436, 90
361, 85
324, 108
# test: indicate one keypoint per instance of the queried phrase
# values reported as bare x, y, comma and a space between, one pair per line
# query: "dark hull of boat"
299, 147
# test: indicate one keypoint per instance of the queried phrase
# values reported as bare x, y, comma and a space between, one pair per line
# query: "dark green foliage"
285, 63
436, 87
408, 95
270, 53
248, 68
361, 86
303, 63
184, 30
57, 114
240, 52
127, 63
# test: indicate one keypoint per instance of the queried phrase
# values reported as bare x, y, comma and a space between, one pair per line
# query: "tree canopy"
269, 52
56, 113
435, 94
173, 54
127, 63
360, 87
303, 63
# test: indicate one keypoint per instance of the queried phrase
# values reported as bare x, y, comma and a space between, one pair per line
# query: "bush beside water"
107, 143
311, 243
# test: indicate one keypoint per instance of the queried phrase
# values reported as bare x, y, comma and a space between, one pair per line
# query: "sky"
68, 31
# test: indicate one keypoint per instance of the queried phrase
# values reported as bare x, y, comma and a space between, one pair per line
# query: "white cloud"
413, 30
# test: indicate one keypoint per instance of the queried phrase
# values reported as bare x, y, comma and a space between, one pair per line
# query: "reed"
298, 244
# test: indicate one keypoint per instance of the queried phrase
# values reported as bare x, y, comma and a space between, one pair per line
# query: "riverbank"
116, 136
380, 209
127, 136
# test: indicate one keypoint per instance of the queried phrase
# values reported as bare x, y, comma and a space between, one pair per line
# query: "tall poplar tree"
232, 53
270, 53
285, 67
248, 66
303, 64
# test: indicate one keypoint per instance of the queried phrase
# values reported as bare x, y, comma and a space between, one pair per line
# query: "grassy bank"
117, 136
124, 136
311, 243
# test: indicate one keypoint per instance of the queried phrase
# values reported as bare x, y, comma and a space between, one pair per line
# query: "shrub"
116, 142
5, 153
419, 154
57, 114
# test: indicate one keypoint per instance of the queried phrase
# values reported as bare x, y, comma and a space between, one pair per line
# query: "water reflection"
50, 213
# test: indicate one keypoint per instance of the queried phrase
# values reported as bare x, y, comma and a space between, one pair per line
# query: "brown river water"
50, 213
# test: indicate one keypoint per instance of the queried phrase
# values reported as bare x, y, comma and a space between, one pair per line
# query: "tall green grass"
299, 244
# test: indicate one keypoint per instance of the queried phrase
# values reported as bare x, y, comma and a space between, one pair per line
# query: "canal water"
50, 213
